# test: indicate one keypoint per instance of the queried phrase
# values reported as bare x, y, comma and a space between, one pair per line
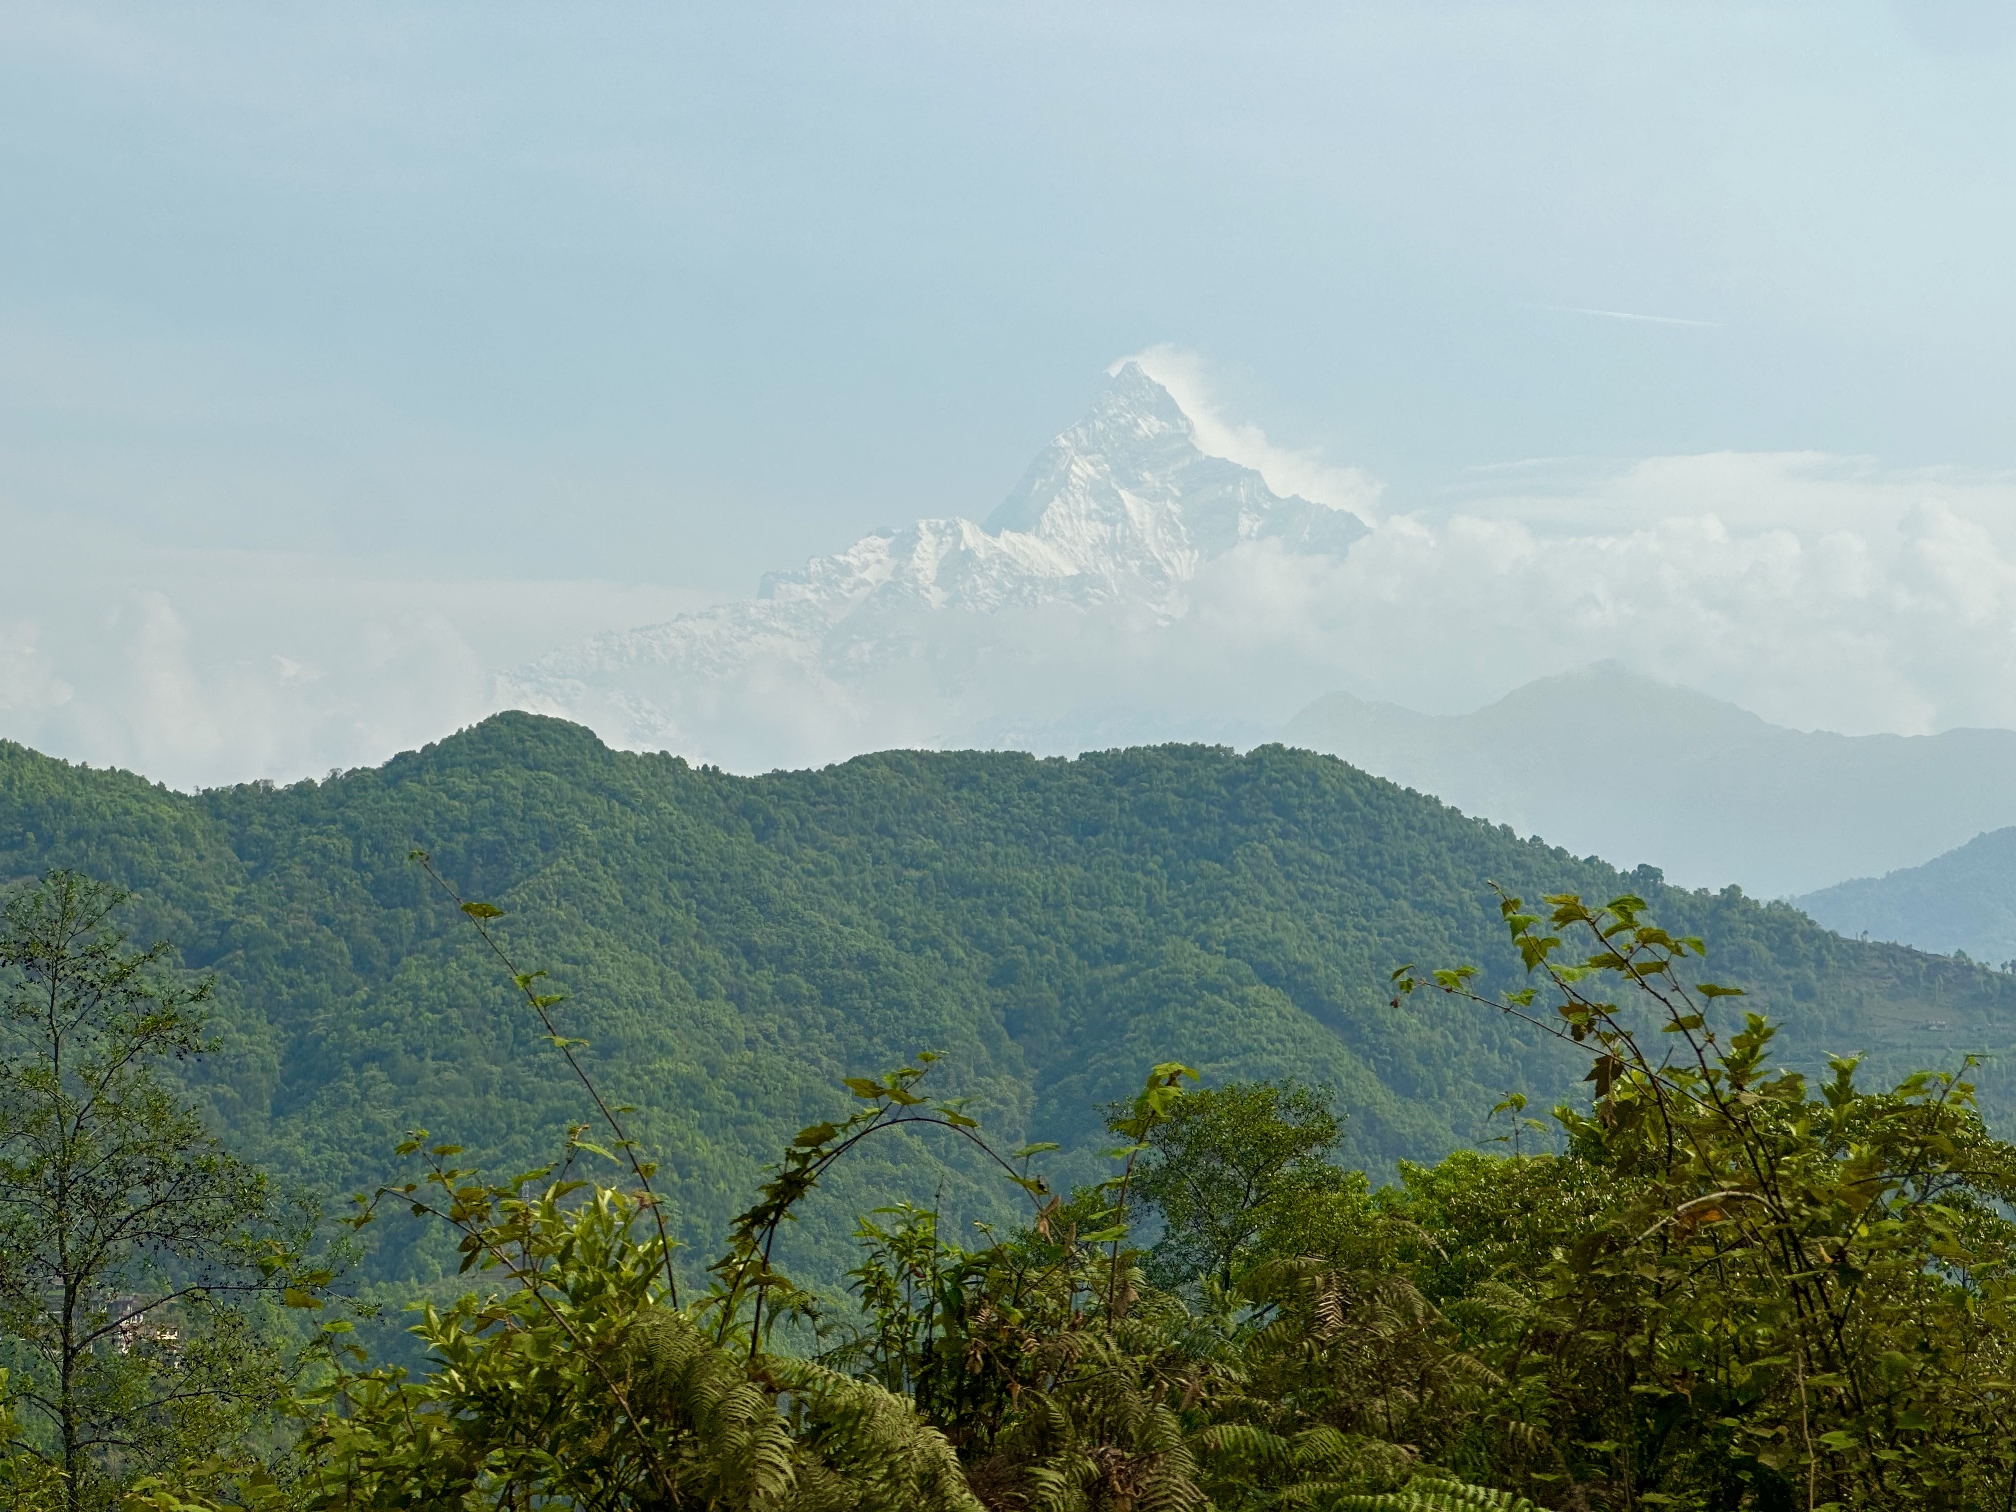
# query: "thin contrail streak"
1628, 315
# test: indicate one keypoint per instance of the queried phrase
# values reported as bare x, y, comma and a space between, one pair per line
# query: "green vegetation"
732, 948
1726, 1292
131, 1241
1717, 1283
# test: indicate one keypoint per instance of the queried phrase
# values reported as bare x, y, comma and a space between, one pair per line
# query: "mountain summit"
1129, 483
900, 637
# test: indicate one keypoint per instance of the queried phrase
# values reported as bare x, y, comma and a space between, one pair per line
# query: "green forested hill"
732, 946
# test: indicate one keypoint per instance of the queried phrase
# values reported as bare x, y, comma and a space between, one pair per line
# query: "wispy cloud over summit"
1186, 375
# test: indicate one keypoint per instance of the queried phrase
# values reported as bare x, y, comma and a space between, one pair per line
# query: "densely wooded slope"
732, 946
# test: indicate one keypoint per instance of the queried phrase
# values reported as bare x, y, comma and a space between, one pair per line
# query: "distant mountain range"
952, 632
1609, 762
1964, 900
1133, 588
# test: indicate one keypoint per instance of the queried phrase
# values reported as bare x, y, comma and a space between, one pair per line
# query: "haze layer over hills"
1963, 900
1135, 587
1610, 762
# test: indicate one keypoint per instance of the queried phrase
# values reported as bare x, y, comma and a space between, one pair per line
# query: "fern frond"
874, 1444
1433, 1493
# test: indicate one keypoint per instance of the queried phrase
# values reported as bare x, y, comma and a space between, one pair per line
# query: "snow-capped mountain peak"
1121, 511
1136, 428
1122, 503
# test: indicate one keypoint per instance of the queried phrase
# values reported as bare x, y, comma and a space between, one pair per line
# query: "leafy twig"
479, 916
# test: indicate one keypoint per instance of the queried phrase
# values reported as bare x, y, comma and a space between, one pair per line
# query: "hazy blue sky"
664, 296
671, 293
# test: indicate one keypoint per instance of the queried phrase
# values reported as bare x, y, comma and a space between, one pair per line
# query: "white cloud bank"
1816, 597
1819, 593
204, 667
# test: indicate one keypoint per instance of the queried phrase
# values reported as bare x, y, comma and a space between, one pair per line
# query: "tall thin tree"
130, 1238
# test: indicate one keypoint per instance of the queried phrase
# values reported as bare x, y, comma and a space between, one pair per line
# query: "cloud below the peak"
1817, 592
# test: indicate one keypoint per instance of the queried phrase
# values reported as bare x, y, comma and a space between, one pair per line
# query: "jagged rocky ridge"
909, 637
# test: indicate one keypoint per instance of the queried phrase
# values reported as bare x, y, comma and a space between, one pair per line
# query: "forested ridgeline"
731, 948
